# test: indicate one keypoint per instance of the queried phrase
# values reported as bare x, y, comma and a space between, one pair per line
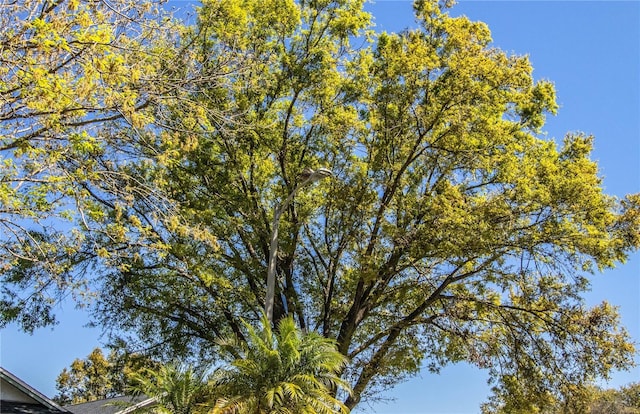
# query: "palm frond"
284, 371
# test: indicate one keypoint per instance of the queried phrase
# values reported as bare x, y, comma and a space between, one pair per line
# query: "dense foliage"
582, 400
282, 371
98, 377
73, 74
177, 389
451, 231
285, 372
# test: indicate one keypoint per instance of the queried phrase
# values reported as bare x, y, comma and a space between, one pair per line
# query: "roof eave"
29, 390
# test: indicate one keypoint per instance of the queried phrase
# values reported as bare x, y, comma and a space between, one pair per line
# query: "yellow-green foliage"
452, 230
97, 377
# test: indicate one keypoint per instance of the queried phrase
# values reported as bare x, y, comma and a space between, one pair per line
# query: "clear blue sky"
591, 50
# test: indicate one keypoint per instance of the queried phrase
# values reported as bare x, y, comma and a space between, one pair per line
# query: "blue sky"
591, 51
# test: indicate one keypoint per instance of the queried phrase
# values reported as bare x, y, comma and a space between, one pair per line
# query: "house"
18, 397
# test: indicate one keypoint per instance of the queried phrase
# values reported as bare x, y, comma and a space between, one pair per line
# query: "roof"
12, 407
116, 405
19, 397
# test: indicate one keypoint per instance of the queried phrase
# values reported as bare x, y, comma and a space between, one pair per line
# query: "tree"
177, 389
451, 231
67, 66
86, 380
71, 72
625, 400
585, 399
286, 371
97, 377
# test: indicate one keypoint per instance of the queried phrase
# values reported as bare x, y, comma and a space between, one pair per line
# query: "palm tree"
282, 372
178, 389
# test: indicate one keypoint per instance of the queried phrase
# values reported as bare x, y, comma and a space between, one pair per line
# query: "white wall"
10, 393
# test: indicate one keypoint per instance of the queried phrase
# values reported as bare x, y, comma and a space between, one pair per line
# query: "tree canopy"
452, 229
73, 74
589, 399
98, 377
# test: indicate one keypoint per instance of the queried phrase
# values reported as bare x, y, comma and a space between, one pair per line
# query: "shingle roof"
116, 405
12, 407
